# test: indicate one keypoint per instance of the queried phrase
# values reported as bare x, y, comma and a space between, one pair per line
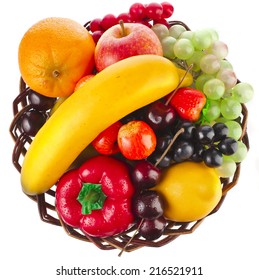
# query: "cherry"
125, 17
145, 175
159, 115
32, 121
108, 21
152, 229
168, 9
95, 25
148, 205
137, 11
162, 21
145, 22
39, 101
97, 35
154, 11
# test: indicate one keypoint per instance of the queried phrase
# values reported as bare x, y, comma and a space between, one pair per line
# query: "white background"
226, 245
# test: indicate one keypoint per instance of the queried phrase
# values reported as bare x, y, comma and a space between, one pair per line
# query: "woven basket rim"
46, 201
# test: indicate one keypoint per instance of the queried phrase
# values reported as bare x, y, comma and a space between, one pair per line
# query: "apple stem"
123, 32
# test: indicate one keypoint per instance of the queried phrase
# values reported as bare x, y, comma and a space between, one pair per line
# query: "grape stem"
181, 81
180, 131
134, 234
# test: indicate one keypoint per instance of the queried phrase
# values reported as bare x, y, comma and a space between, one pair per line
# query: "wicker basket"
128, 240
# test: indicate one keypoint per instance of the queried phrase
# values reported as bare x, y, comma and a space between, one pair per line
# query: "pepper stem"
91, 197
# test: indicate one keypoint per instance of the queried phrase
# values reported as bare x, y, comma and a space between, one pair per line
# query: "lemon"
190, 191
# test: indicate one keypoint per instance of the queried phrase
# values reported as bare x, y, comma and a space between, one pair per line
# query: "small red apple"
124, 40
136, 140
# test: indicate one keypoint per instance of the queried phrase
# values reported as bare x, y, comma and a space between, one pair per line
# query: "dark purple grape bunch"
32, 120
204, 143
147, 204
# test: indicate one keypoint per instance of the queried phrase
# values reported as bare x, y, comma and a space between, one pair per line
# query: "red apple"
124, 40
136, 140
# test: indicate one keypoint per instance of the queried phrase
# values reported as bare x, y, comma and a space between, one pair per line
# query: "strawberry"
188, 102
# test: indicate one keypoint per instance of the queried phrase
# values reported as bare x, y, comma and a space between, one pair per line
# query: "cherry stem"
181, 81
180, 131
134, 234
123, 31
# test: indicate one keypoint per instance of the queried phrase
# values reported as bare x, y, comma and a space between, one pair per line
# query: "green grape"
242, 92
234, 129
213, 33
214, 89
228, 77
183, 49
202, 39
195, 60
241, 152
168, 47
225, 64
210, 64
221, 119
201, 80
227, 93
160, 30
187, 35
213, 111
219, 49
230, 108
228, 167
176, 30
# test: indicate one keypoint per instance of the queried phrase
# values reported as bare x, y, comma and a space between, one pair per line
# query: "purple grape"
221, 131
204, 134
197, 155
163, 141
182, 151
164, 162
189, 129
228, 146
212, 157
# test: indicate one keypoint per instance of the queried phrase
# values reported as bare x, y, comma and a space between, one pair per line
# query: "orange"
54, 54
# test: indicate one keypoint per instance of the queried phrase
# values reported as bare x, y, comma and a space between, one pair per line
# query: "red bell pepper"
96, 197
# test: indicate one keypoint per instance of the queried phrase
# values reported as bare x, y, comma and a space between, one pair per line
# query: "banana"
112, 94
